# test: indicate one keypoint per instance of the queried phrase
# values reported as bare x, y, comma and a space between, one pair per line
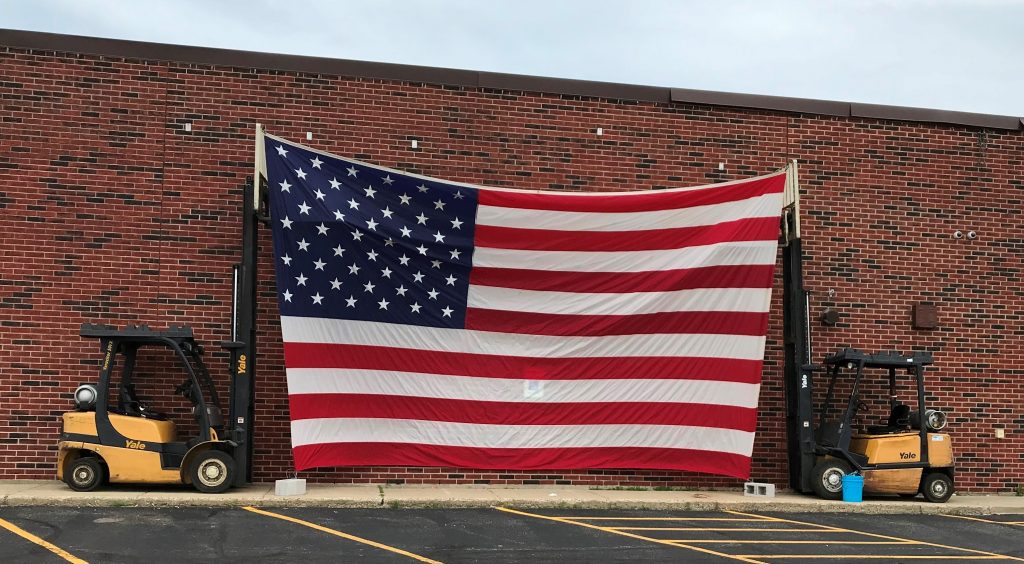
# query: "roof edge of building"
36, 40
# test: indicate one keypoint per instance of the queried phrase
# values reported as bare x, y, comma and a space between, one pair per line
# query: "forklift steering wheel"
184, 389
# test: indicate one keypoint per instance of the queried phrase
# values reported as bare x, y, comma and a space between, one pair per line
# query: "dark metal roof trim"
941, 116
474, 79
571, 87
783, 103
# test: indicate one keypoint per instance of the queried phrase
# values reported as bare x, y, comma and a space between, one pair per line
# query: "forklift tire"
828, 478
937, 487
85, 474
212, 471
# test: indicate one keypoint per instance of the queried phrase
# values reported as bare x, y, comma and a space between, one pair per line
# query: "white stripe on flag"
369, 333
767, 205
574, 303
442, 433
414, 384
719, 254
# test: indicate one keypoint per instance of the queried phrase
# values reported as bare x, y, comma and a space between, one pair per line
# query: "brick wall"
112, 212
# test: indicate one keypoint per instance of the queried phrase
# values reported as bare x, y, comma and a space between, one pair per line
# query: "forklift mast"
242, 346
796, 337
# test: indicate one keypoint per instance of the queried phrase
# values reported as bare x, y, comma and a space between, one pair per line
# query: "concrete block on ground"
758, 489
291, 486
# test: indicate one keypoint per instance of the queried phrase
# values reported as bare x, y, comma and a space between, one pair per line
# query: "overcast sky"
963, 55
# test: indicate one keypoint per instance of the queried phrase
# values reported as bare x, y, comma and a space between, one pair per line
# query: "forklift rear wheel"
85, 474
937, 487
828, 478
213, 472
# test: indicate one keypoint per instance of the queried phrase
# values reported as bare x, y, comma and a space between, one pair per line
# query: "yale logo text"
908, 455
135, 445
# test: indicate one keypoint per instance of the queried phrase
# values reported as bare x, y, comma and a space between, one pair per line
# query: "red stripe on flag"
411, 454
639, 202
314, 355
738, 276
755, 229
358, 406
704, 322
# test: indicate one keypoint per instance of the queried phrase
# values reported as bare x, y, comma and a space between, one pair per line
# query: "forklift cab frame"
197, 387
129, 443
834, 438
906, 456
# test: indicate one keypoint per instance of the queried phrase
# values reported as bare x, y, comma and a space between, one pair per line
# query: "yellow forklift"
122, 440
905, 455
115, 437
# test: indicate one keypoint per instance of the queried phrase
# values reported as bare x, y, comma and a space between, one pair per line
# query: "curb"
904, 508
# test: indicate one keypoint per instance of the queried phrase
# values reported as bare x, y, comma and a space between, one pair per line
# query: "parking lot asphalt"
500, 534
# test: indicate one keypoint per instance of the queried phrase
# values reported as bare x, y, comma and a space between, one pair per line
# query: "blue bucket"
853, 488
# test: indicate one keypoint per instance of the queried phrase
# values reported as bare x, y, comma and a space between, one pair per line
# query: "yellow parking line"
664, 519
34, 539
342, 535
746, 541
727, 529
985, 520
991, 555
630, 535
890, 557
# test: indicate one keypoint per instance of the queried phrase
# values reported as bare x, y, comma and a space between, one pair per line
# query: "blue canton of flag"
354, 241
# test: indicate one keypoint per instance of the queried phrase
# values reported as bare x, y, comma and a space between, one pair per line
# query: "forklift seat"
128, 403
899, 421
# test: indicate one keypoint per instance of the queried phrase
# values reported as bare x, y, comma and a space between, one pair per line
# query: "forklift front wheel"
84, 474
213, 471
937, 487
828, 478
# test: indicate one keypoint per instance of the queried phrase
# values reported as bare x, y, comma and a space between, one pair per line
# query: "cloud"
949, 54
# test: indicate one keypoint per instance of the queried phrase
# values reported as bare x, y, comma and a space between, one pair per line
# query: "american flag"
434, 323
